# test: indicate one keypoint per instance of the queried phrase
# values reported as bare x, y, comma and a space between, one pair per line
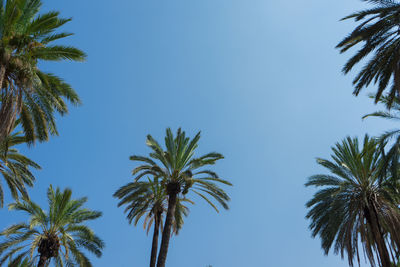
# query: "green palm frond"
15, 167
379, 38
357, 204
21, 261
60, 233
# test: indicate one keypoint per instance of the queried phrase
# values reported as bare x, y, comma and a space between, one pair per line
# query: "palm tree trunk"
166, 235
8, 105
4, 104
42, 261
154, 245
373, 221
2, 75
8, 114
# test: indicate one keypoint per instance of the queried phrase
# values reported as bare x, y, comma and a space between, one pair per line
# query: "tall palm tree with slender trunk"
26, 92
149, 199
355, 205
379, 36
15, 168
180, 173
58, 235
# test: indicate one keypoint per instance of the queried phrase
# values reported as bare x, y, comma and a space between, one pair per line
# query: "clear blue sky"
261, 80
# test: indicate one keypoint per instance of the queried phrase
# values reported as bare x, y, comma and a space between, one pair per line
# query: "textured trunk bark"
166, 235
42, 261
10, 105
3, 105
2, 75
8, 115
154, 246
373, 221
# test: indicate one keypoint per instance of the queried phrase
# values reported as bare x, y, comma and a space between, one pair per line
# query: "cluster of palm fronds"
357, 204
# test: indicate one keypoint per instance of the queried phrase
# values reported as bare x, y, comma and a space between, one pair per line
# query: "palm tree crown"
25, 91
15, 167
356, 204
380, 38
56, 235
179, 171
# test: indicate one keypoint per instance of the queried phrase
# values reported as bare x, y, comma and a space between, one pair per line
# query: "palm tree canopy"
15, 167
340, 210
147, 199
179, 170
379, 36
26, 39
60, 232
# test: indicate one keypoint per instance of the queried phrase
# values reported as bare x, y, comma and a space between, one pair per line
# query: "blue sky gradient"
261, 80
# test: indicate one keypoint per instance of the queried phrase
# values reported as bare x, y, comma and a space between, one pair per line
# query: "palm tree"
15, 167
149, 199
25, 91
180, 172
58, 234
378, 32
356, 204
